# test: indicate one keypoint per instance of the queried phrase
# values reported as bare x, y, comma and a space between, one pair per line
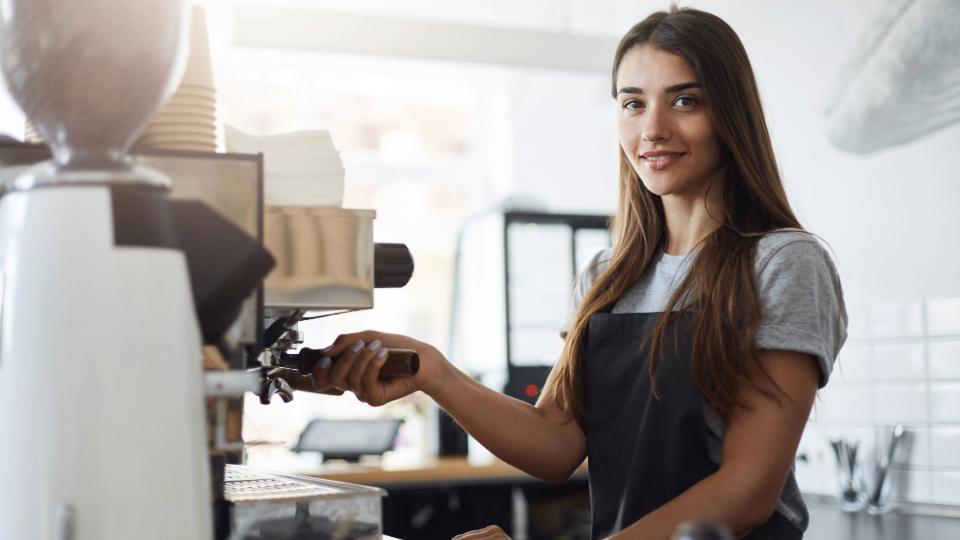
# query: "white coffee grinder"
108, 287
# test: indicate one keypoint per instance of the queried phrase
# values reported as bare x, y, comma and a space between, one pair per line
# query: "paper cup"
195, 90
195, 147
180, 127
196, 101
199, 68
196, 93
199, 119
178, 137
200, 110
29, 130
198, 147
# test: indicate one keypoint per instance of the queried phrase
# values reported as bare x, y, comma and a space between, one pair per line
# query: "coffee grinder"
109, 288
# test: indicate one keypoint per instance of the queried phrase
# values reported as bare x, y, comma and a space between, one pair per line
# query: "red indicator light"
532, 390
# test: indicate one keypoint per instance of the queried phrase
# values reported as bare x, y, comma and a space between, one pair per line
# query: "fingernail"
325, 350
375, 345
382, 353
357, 346
325, 362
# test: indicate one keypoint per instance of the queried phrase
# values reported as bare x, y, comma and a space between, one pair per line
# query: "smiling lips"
661, 159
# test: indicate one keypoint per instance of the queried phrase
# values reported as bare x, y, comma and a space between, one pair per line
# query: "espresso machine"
117, 267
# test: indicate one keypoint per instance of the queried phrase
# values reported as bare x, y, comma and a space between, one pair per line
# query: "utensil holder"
878, 494
851, 494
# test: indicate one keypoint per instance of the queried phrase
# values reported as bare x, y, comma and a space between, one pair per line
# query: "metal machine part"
224, 263
325, 258
271, 387
290, 339
262, 504
231, 184
392, 268
229, 383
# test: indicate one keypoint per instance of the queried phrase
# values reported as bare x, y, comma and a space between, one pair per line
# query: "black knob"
392, 266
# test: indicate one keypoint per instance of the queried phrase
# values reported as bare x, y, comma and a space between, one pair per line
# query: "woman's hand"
490, 533
361, 357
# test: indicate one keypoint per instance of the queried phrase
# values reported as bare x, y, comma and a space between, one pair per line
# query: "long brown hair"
718, 290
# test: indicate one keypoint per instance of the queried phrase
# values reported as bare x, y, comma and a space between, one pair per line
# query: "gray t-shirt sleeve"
598, 263
801, 307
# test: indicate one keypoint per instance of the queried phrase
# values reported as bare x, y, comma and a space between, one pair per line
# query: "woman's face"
664, 128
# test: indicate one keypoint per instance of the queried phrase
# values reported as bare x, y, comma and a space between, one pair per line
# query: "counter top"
434, 471
828, 522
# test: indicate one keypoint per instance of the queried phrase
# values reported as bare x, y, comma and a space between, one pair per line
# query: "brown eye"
632, 104
692, 101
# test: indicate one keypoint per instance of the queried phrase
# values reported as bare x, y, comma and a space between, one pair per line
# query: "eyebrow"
669, 89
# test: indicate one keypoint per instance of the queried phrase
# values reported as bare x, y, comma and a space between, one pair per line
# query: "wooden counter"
440, 498
433, 472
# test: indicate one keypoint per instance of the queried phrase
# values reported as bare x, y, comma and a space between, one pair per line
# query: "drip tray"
274, 506
240, 486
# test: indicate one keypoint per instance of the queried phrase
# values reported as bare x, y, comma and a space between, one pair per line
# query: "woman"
698, 341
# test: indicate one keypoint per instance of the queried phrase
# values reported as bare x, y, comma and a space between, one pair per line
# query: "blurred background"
441, 142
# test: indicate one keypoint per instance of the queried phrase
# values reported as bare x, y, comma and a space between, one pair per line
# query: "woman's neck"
688, 221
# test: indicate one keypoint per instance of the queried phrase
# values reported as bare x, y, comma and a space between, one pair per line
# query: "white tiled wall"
945, 448
943, 359
900, 364
946, 487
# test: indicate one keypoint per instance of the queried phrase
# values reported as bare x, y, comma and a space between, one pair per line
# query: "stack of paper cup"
188, 120
299, 169
31, 135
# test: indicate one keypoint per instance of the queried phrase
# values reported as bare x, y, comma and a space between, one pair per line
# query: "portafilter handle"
399, 363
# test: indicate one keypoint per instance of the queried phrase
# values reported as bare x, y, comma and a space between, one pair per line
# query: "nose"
656, 126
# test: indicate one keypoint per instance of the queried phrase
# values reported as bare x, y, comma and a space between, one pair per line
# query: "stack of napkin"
300, 169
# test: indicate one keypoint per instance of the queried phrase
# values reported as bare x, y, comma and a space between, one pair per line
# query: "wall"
889, 217
901, 366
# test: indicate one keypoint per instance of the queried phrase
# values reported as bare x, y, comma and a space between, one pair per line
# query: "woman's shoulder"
790, 245
597, 265
800, 298
588, 275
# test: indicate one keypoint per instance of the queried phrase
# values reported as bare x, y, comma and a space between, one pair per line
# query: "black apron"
643, 451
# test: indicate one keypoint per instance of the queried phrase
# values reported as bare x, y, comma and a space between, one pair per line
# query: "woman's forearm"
516, 432
717, 498
536, 440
